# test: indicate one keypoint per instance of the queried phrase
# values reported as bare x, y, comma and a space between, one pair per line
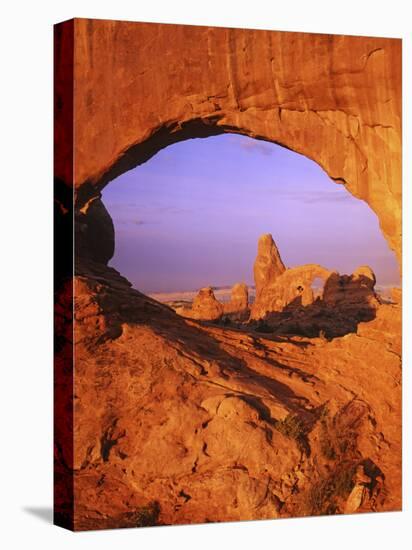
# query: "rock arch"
140, 87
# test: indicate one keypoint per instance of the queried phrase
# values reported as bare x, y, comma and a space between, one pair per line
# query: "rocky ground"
184, 421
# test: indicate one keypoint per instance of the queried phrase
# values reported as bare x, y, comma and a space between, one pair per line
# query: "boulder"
205, 306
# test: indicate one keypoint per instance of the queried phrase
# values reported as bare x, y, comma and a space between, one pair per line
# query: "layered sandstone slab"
178, 422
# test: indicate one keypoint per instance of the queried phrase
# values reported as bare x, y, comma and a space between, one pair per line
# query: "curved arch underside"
335, 99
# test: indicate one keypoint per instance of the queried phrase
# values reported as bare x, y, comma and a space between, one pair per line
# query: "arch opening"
215, 124
253, 176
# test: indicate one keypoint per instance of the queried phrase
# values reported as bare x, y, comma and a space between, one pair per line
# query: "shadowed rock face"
94, 232
351, 291
140, 87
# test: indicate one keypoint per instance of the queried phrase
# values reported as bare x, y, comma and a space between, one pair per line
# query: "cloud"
258, 146
252, 145
314, 197
122, 220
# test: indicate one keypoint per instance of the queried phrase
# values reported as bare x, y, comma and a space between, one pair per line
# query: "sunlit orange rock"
237, 309
335, 99
291, 289
352, 292
239, 300
268, 264
205, 306
178, 422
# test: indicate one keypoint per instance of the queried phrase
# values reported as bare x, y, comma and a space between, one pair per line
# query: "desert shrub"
326, 439
327, 449
335, 443
147, 515
322, 498
291, 426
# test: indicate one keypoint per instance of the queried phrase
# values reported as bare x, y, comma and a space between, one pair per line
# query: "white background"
26, 272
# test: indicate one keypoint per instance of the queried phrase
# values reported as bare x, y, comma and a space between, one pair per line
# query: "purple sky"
191, 216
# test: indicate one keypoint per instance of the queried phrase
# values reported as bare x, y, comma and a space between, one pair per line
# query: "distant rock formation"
291, 289
205, 307
352, 292
240, 297
286, 301
307, 300
268, 264
238, 308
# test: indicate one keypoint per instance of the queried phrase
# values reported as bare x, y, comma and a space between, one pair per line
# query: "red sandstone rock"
239, 297
237, 309
177, 422
291, 289
141, 86
94, 232
164, 407
354, 292
396, 295
268, 264
287, 302
205, 306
